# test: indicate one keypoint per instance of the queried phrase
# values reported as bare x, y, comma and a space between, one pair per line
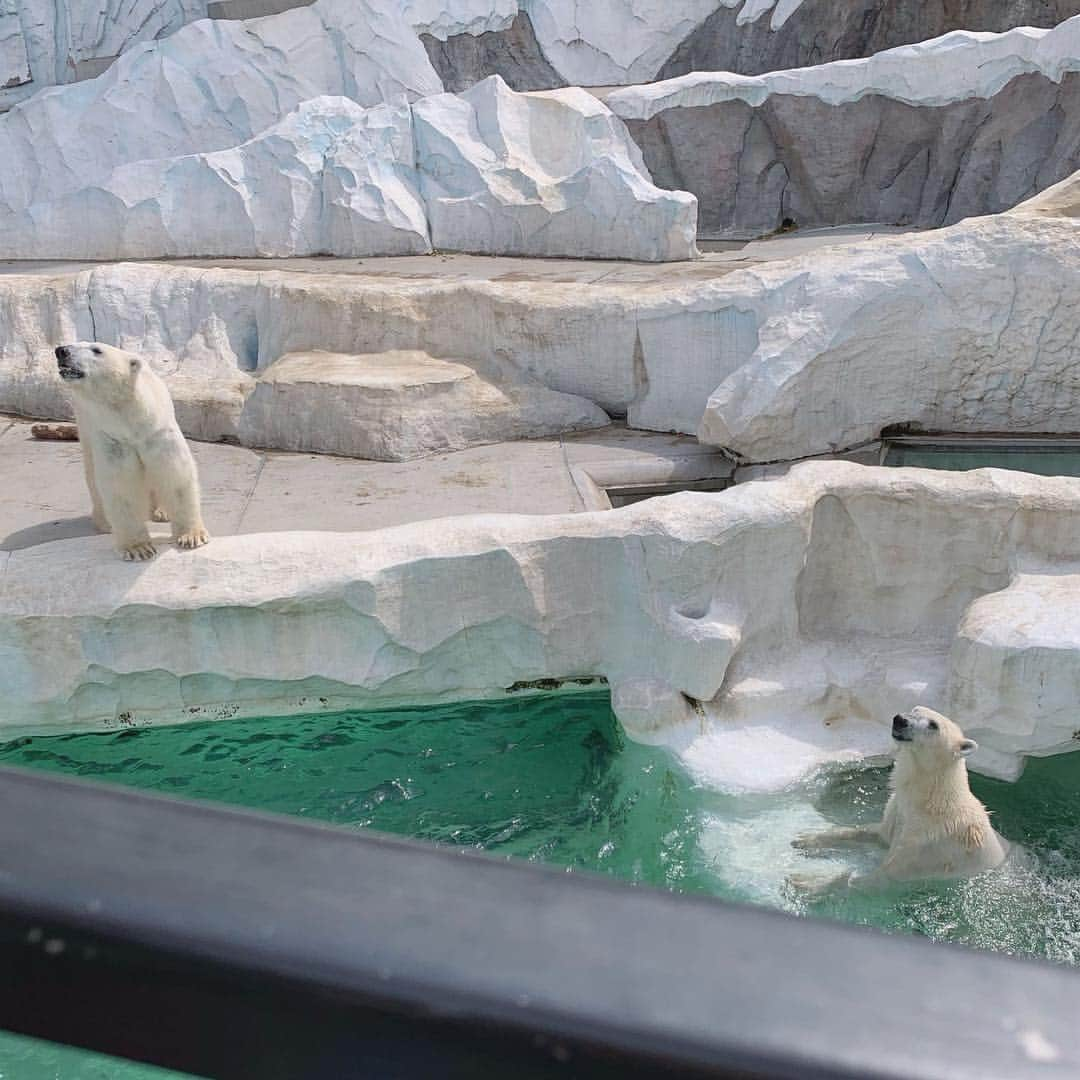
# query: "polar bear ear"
965, 747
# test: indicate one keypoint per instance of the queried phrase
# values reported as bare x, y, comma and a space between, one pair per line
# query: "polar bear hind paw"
813, 886
159, 515
139, 551
193, 538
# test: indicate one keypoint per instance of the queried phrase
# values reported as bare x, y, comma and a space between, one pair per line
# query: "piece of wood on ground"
57, 432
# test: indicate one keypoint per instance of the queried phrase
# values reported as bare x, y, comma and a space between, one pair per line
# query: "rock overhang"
815, 606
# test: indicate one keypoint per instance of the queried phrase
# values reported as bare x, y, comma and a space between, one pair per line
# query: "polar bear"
137, 462
934, 827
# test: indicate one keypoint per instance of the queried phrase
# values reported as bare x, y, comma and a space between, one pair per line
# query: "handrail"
236, 944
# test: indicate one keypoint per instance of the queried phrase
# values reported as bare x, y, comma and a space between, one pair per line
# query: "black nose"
899, 722
62, 352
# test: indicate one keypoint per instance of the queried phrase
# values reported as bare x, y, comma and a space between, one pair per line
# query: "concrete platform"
244, 491
719, 257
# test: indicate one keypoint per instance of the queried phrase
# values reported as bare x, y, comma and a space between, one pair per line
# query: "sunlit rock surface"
49, 42
398, 405
1061, 200
332, 178
755, 37
210, 86
968, 329
760, 632
14, 61
549, 173
45, 42
925, 135
608, 42
533, 44
494, 171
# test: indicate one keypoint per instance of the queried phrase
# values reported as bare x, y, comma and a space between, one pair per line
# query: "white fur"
934, 828
137, 463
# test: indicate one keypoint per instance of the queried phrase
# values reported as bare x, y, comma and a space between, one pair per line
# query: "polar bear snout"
901, 728
67, 365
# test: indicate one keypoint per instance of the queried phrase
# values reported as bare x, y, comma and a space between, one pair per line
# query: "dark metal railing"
233, 944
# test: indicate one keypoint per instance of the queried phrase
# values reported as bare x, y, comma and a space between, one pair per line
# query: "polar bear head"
101, 370
928, 733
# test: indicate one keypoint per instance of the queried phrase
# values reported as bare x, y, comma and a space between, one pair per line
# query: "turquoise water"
549, 778
553, 779
1044, 462
31, 1059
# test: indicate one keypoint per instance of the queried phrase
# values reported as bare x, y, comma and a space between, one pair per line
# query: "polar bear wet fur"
934, 828
136, 459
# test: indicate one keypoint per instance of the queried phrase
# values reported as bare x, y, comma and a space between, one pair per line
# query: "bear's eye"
932, 725
96, 351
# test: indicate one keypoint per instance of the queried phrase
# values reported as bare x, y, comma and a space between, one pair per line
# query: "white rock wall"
967, 329
331, 178
971, 328
14, 62
613, 42
60, 40
446, 18
959, 65
490, 170
403, 404
50, 42
210, 86
800, 613
615, 345
542, 174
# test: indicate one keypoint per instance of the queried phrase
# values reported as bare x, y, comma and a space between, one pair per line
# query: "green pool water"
553, 779
31, 1059
1044, 461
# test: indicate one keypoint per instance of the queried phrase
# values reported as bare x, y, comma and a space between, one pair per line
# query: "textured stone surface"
1061, 200
810, 32
64, 41
548, 173
800, 614
14, 61
790, 352
496, 172
394, 406
210, 86
514, 54
443, 19
972, 328
943, 70
608, 42
1007, 638
59, 40
652, 349
926, 135
47, 42
331, 178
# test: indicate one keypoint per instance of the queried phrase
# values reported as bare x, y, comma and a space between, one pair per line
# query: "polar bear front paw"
193, 538
139, 551
808, 841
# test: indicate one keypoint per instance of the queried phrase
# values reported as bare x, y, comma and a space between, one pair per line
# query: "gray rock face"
819, 31
872, 160
514, 53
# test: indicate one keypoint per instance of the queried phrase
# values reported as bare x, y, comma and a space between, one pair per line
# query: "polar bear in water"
137, 461
933, 827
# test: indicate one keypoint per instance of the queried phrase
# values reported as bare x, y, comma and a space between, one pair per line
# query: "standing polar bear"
137, 462
933, 826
